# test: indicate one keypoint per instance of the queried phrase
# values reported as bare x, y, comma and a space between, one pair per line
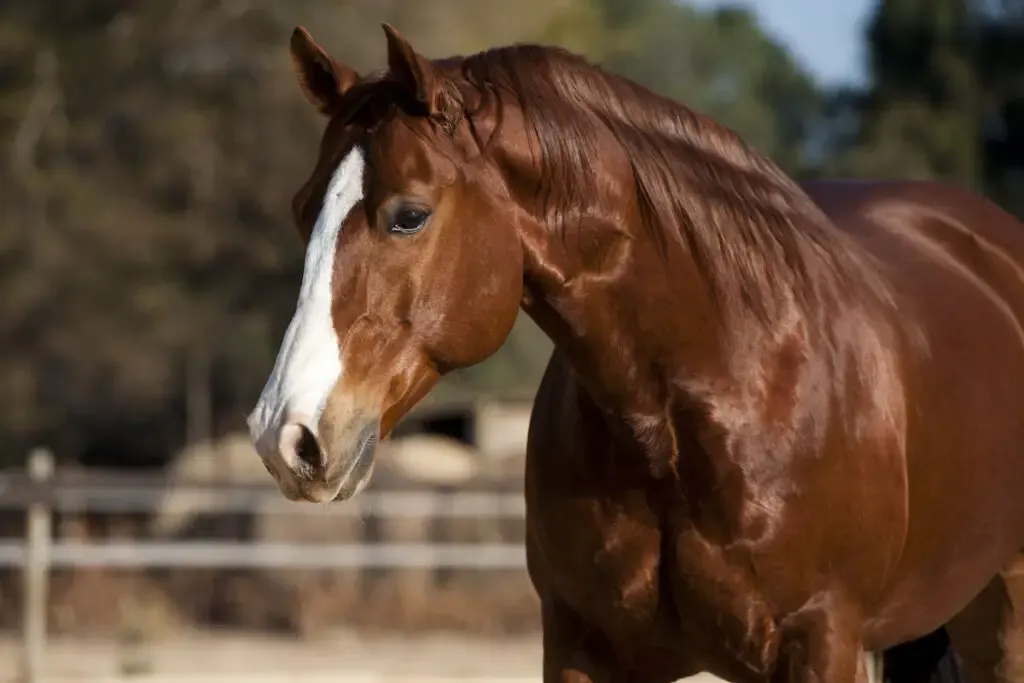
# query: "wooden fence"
41, 491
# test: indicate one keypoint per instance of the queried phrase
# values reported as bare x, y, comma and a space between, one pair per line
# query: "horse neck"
634, 329
629, 307
647, 344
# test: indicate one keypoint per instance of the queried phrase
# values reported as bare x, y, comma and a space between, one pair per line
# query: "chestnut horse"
782, 423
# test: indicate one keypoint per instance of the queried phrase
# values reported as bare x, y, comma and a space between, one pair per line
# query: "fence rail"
42, 492
239, 498
220, 555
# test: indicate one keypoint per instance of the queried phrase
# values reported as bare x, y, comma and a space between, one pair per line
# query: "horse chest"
599, 555
623, 562
595, 524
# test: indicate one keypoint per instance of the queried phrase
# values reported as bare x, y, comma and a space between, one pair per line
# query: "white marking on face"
308, 363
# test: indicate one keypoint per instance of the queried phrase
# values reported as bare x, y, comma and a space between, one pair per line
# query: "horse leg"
819, 644
983, 631
573, 652
873, 668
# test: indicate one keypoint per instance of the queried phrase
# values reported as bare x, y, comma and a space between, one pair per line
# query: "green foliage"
945, 98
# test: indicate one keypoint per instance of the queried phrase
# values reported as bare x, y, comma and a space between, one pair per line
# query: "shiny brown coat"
782, 425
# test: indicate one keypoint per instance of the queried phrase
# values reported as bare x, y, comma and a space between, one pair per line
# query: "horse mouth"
360, 470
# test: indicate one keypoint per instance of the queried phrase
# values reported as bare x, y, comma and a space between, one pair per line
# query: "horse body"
780, 427
956, 262
606, 551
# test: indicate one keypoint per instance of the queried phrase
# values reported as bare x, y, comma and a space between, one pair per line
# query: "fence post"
36, 568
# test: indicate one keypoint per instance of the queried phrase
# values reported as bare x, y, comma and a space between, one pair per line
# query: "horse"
781, 425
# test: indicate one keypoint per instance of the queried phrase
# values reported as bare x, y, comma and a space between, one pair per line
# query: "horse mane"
756, 236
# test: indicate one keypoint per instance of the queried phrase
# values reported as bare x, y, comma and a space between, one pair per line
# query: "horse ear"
412, 70
322, 79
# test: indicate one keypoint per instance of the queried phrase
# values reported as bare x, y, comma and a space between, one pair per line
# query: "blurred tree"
923, 95
945, 98
1000, 68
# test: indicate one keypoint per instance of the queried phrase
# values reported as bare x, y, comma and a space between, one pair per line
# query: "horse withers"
781, 425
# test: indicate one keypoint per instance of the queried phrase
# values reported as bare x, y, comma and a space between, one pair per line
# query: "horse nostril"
297, 443
308, 449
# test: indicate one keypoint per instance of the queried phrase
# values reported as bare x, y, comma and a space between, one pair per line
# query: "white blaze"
308, 363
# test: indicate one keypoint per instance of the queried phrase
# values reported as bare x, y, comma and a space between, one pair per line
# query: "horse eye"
409, 221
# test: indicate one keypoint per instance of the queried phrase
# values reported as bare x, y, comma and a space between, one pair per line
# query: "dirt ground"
336, 657
339, 656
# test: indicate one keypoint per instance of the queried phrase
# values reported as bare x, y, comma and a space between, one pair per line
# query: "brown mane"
756, 236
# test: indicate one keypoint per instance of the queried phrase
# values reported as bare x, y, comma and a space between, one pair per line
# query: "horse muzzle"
319, 463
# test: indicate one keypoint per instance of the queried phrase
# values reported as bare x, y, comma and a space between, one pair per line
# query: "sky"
825, 35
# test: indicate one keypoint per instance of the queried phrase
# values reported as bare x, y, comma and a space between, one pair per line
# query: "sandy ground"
338, 657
